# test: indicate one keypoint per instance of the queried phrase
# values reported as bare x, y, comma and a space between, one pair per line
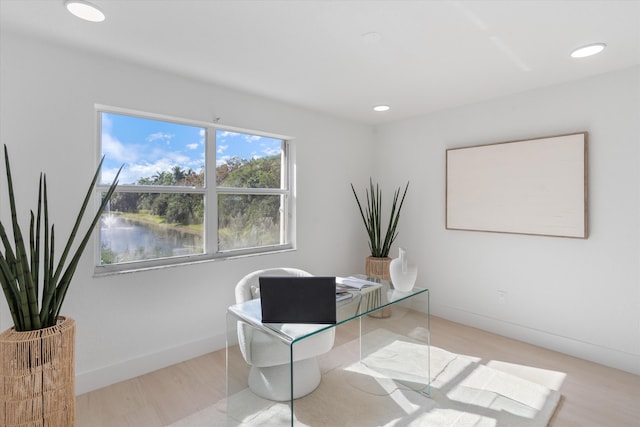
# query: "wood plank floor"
593, 395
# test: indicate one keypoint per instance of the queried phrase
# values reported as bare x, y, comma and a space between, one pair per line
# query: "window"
252, 197
189, 191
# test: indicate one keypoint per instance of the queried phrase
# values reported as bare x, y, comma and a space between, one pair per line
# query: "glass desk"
376, 344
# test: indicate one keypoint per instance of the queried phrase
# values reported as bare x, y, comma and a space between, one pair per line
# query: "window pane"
154, 152
248, 161
248, 221
144, 226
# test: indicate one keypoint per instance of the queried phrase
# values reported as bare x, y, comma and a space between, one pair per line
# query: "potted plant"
377, 264
37, 354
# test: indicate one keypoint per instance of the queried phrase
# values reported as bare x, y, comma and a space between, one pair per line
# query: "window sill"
136, 267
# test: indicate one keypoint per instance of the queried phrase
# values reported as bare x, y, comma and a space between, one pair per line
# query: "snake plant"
372, 217
34, 283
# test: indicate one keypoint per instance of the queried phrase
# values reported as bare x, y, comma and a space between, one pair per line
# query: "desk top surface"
365, 300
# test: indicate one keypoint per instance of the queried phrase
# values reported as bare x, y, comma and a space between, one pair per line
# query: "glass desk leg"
258, 376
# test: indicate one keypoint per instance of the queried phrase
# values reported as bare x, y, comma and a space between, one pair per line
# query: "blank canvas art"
536, 186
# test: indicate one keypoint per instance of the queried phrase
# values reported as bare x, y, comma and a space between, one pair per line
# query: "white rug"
390, 389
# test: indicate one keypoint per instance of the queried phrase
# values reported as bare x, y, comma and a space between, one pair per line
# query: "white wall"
580, 297
133, 323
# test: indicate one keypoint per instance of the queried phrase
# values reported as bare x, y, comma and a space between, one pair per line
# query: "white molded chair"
269, 358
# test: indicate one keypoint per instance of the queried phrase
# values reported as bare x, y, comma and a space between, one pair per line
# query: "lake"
123, 240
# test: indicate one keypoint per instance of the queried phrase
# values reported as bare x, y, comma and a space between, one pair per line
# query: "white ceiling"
430, 55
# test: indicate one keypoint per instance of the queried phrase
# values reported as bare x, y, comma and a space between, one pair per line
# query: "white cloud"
193, 146
162, 162
222, 160
166, 137
178, 159
148, 170
252, 138
226, 133
109, 174
267, 151
115, 150
106, 123
271, 151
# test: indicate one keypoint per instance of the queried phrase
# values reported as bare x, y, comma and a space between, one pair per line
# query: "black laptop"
291, 299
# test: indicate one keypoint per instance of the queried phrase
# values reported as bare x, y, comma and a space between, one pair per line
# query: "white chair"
269, 358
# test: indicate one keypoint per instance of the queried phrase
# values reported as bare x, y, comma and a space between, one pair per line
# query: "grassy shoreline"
158, 221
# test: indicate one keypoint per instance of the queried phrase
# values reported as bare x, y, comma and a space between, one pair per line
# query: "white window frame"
210, 192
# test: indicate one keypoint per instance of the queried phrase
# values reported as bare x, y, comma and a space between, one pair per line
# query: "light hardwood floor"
592, 395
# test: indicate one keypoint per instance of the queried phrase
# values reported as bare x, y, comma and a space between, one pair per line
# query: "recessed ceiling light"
84, 10
381, 108
588, 50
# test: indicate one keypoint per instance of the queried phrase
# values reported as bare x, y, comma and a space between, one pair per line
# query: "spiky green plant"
372, 217
35, 300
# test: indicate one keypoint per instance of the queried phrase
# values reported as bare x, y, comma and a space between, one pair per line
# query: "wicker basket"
37, 371
378, 267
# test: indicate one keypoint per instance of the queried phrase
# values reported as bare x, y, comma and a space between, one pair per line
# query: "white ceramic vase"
403, 273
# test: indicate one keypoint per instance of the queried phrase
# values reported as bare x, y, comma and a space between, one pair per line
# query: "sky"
147, 146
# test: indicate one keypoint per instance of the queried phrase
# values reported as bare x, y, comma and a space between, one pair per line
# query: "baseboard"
102, 377
584, 350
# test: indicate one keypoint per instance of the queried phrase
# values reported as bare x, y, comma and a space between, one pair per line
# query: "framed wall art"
535, 186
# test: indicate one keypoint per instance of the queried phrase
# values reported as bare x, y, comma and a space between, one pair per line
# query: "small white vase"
403, 274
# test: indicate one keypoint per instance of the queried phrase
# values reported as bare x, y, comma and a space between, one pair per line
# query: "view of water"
130, 240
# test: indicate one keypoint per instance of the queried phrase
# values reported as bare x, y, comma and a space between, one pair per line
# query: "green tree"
249, 218
124, 202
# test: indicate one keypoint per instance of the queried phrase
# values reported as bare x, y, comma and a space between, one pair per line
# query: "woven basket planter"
37, 371
378, 267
